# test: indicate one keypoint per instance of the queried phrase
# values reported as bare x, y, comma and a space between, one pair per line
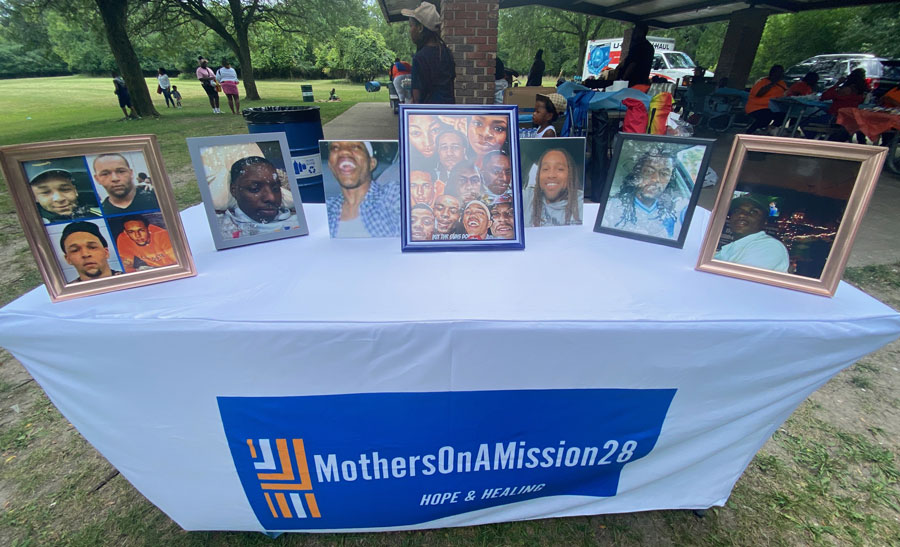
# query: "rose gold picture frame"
74, 164
816, 193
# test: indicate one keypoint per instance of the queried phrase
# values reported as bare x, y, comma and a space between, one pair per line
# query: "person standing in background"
433, 68
536, 74
500, 81
124, 97
208, 81
636, 66
227, 78
165, 87
177, 96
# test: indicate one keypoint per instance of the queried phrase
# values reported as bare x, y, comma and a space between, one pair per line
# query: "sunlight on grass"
72, 107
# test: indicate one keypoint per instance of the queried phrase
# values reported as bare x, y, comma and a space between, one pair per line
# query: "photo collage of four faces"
101, 214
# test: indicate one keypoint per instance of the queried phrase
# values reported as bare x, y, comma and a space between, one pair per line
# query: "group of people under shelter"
850, 91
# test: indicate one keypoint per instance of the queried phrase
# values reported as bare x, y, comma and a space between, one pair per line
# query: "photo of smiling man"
554, 186
476, 220
748, 217
362, 193
62, 189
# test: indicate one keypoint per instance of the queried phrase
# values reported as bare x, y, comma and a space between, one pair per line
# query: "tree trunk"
115, 16
243, 53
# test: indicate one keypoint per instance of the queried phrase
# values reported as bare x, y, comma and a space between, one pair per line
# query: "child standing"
177, 96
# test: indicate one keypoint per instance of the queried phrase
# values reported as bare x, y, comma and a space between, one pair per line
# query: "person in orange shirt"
758, 103
806, 86
891, 99
143, 245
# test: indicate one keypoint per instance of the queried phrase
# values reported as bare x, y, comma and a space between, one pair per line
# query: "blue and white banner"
397, 459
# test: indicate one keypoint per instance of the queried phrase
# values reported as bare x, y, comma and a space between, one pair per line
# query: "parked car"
833, 67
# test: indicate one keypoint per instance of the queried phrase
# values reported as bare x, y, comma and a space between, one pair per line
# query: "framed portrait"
249, 192
460, 180
99, 214
553, 181
653, 185
362, 187
788, 210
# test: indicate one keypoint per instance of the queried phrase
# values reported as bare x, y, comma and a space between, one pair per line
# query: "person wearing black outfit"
433, 69
636, 66
500, 81
537, 69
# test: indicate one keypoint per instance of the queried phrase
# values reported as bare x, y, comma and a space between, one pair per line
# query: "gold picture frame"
788, 211
114, 195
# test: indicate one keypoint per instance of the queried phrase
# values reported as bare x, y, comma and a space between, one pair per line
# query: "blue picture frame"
464, 215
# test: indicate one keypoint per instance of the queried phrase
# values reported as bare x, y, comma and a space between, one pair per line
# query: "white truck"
668, 63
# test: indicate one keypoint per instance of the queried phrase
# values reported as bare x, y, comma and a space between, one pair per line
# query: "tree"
115, 19
357, 53
232, 20
702, 43
80, 42
582, 28
396, 38
278, 54
25, 47
562, 35
218, 17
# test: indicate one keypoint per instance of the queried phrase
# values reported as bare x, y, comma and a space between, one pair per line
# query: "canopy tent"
656, 13
746, 21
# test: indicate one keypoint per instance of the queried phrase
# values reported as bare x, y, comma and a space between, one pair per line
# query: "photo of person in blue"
647, 202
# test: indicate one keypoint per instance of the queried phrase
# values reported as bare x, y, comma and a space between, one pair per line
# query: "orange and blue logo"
284, 478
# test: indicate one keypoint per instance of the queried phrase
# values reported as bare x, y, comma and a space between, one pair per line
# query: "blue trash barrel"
372, 86
303, 127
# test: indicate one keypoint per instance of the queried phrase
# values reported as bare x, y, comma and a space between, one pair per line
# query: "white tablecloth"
138, 372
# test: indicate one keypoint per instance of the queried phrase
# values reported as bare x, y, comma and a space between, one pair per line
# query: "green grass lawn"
72, 107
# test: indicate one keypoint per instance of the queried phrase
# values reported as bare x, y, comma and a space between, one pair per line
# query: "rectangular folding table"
316, 384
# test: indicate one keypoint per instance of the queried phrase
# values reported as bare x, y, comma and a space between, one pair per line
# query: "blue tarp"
604, 101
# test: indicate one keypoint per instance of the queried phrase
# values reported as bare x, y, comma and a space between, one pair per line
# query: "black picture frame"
418, 152
682, 191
